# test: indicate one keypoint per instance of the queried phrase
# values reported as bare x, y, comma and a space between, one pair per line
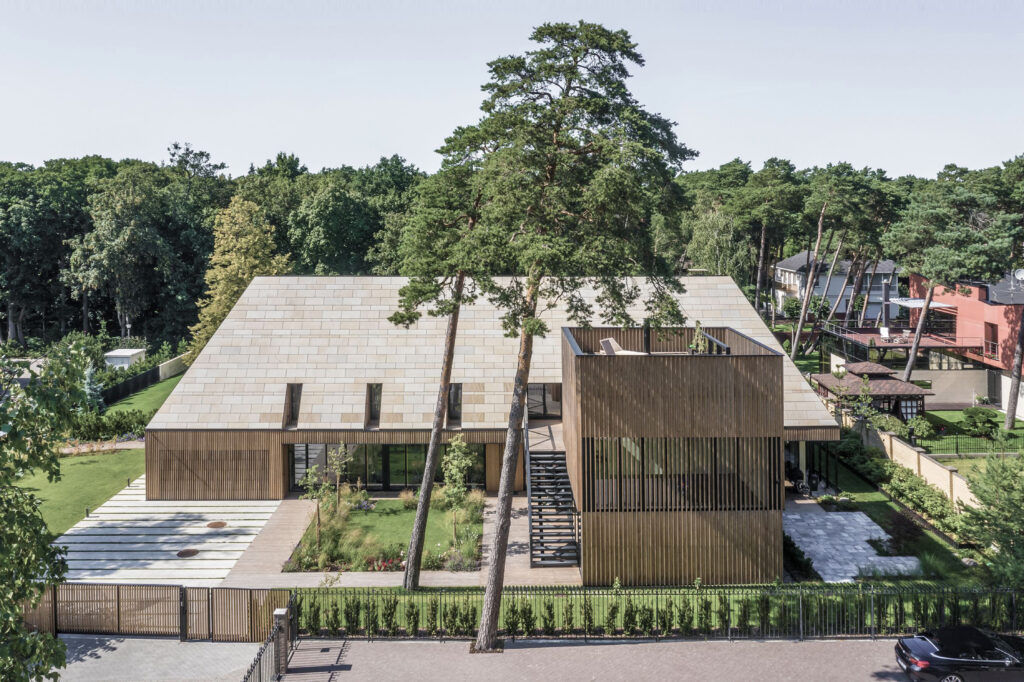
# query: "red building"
985, 316
988, 313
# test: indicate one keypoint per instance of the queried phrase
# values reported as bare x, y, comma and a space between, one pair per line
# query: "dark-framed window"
544, 401
454, 405
374, 394
292, 403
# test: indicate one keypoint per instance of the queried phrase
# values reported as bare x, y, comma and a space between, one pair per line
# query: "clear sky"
906, 85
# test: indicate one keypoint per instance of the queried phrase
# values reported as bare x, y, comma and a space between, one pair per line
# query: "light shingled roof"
331, 334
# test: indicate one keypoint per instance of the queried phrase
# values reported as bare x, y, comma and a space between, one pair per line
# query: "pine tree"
243, 248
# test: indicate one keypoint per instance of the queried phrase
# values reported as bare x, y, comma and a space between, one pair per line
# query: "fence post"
800, 607
119, 609
53, 606
281, 643
183, 613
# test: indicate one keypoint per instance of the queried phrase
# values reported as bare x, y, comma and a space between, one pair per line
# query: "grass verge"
86, 481
148, 399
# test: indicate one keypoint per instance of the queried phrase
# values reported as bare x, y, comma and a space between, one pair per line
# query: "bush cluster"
92, 425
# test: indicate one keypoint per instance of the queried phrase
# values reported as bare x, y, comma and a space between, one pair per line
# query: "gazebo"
888, 394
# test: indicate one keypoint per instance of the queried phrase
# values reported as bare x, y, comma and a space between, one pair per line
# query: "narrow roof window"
454, 406
292, 403
373, 399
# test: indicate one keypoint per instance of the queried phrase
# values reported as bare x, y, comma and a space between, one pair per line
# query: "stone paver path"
837, 542
130, 539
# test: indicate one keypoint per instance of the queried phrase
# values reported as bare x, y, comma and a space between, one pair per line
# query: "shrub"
527, 617
922, 427
412, 618
795, 559
629, 617
511, 618
547, 617
433, 606
743, 615
92, 425
704, 614
645, 620
452, 621
685, 616
665, 616
372, 623
887, 422
310, 606
722, 612
923, 498
331, 621
611, 619
568, 616
981, 422
408, 498
353, 609
588, 616
388, 615
791, 307
467, 618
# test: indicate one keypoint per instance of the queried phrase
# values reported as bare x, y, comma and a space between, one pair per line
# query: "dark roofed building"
791, 282
888, 394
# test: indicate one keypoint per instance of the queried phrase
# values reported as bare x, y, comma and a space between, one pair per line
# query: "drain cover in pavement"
216, 524
186, 553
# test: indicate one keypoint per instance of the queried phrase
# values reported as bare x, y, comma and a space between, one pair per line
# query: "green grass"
952, 420
357, 537
86, 481
881, 510
964, 465
148, 399
809, 363
951, 437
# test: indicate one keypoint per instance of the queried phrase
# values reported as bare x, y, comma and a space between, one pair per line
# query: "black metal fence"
264, 667
132, 385
961, 444
768, 612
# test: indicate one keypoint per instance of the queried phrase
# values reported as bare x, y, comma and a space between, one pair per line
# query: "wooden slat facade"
253, 464
675, 460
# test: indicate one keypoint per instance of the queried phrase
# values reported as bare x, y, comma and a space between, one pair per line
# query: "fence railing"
221, 614
165, 370
264, 667
962, 444
764, 612
771, 612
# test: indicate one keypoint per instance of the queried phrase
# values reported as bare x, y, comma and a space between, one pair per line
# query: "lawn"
376, 539
148, 399
86, 481
809, 363
964, 465
936, 556
952, 439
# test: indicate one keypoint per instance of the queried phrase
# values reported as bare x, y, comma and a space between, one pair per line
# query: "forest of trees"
93, 244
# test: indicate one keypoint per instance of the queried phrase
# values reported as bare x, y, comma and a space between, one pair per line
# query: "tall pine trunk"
411, 581
809, 289
812, 342
12, 322
85, 311
854, 293
488, 633
760, 268
1018, 357
867, 296
912, 355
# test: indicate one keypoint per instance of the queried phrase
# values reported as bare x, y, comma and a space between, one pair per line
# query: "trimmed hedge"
92, 425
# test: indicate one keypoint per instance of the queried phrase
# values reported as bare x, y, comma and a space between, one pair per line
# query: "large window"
292, 403
380, 467
544, 401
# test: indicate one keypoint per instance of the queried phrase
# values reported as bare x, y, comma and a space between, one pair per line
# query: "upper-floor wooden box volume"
674, 452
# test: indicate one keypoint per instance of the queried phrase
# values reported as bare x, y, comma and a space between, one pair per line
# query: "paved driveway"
850, 660
149, 659
130, 539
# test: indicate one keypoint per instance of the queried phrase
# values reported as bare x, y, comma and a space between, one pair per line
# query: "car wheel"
952, 677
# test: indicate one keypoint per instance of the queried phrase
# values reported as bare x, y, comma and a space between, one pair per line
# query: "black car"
961, 654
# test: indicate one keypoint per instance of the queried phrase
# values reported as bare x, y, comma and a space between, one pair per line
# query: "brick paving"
93, 658
848, 660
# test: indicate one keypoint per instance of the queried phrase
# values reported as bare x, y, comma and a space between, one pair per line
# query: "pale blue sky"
906, 86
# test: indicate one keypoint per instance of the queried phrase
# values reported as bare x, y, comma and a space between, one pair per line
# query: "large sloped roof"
799, 263
331, 334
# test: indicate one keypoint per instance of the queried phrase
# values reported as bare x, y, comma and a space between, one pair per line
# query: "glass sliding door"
375, 467
415, 460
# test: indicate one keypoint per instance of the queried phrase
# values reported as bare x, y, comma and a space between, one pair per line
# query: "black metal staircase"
554, 521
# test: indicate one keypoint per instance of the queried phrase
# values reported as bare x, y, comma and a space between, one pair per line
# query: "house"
888, 394
967, 347
304, 364
791, 282
124, 357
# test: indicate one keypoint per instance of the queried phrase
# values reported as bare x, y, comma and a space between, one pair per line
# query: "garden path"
837, 542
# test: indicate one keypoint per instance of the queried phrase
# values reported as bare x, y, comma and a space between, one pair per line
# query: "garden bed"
358, 533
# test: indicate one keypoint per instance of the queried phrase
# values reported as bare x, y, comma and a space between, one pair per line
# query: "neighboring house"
968, 343
654, 455
888, 394
124, 357
791, 282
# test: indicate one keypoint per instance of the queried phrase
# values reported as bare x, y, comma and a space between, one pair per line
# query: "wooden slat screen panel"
251, 464
147, 610
41, 617
679, 458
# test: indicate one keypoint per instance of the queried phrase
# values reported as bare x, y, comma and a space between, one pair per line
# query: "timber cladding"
252, 464
675, 459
